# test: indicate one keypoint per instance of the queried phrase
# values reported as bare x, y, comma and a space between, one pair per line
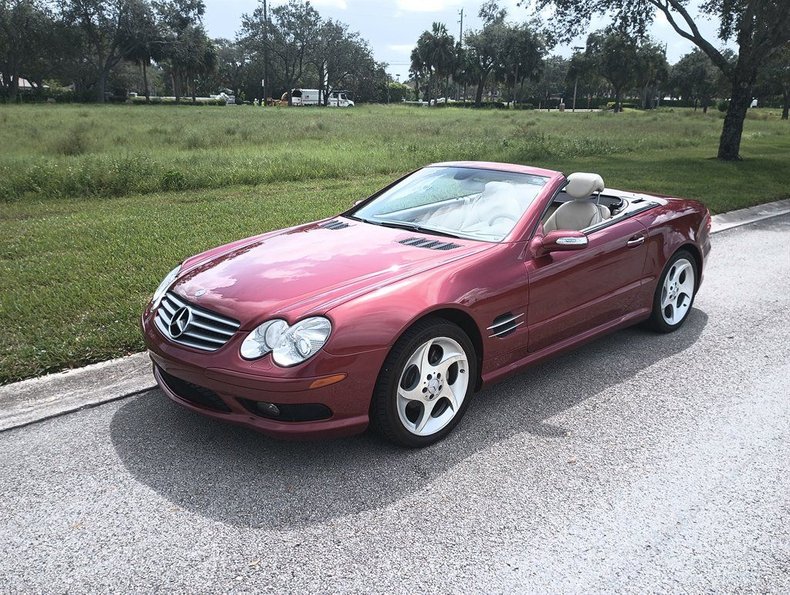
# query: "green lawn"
97, 203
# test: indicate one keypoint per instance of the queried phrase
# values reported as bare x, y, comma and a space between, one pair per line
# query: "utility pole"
461, 30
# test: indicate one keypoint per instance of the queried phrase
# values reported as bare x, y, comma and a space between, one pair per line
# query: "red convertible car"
395, 312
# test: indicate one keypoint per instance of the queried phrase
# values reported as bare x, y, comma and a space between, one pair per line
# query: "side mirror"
558, 241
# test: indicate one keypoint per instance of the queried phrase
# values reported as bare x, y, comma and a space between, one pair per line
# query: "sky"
393, 26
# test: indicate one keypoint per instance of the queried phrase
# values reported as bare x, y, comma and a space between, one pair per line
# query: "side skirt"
566, 345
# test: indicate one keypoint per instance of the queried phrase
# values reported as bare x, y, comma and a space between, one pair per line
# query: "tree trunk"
786, 105
479, 93
176, 87
617, 107
101, 84
13, 89
145, 82
730, 141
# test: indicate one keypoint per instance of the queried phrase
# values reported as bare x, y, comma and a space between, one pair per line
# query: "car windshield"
478, 204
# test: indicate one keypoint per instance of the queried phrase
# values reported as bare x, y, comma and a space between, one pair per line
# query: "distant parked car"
393, 313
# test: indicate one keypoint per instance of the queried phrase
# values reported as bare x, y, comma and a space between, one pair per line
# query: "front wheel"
424, 387
675, 293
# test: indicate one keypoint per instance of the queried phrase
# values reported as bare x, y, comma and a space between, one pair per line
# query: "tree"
337, 54
104, 27
28, 36
522, 59
695, 78
583, 76
775, 78
143, 38
295, 26
442, 54
615, 56
231, 63
652, 69
486, 46
185, 45
760, 28
418, 66
552, 80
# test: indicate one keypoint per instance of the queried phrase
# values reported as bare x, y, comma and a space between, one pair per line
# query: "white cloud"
401, 48
341, 4
427, 5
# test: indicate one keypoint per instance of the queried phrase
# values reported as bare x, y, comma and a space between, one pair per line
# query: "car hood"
311, 268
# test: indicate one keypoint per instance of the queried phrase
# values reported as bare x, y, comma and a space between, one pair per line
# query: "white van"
339, 99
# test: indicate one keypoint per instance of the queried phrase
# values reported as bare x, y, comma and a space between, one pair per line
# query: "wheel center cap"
433, 386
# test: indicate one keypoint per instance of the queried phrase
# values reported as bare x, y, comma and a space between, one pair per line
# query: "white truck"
315, 97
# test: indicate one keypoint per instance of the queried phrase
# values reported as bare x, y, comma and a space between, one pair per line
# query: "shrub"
173, 179
75, 141
723, 105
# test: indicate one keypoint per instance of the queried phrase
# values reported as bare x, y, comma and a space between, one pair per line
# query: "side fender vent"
335, 224
505, 324
430, 244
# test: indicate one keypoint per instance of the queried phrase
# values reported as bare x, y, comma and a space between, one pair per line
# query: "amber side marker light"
327, 380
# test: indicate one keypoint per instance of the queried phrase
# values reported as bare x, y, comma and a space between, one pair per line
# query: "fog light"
269, 409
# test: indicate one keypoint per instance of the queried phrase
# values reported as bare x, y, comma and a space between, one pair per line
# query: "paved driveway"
638, 462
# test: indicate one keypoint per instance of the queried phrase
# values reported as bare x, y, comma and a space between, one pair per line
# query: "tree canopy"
759, 29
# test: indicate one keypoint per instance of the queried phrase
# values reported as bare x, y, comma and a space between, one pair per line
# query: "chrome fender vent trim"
335, 224
430, 244
505, 324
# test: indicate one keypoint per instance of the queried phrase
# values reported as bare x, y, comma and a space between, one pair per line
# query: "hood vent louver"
430, 244
335, 224
505, 324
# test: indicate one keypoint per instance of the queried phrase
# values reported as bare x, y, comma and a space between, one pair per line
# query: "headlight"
165, 285
289, 345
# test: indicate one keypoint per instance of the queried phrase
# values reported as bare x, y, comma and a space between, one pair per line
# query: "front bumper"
224, 386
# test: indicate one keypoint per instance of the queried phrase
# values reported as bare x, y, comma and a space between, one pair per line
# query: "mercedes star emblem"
180, 322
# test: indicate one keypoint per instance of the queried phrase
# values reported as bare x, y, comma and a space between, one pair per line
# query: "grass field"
97, 203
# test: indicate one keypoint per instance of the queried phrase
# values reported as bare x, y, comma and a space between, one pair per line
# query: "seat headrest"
582, 185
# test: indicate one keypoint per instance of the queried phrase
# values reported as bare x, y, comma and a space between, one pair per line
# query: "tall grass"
53, 152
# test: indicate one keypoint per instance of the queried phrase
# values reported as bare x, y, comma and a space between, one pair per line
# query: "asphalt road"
637, 463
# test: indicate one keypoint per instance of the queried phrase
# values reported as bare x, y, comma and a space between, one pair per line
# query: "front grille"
192, 326
430, 244
193, 393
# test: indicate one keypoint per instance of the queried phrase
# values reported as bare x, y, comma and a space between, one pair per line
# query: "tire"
425, 384
675, 293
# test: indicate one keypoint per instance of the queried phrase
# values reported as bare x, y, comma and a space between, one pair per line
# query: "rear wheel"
424, 387
675, 293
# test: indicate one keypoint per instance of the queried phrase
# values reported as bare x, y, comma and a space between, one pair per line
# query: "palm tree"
442, 53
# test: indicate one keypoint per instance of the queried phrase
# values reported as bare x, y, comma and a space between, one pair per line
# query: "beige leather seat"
581, 212
498, 207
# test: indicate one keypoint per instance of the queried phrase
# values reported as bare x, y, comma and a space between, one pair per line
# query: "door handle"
635, 241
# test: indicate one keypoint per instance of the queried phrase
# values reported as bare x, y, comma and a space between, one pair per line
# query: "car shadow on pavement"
239, 477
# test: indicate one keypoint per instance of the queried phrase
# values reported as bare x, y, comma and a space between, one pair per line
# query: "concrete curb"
37, 399
725, 221
34, 400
